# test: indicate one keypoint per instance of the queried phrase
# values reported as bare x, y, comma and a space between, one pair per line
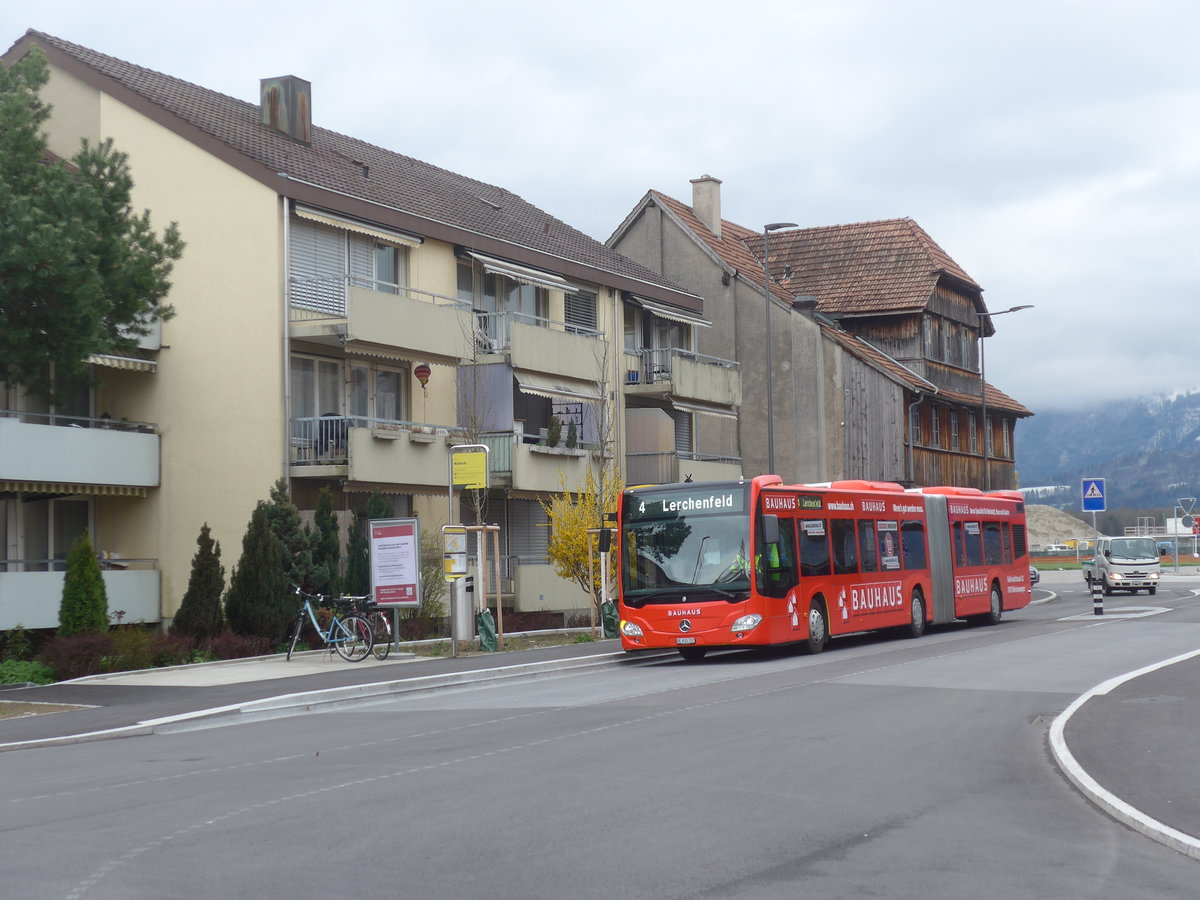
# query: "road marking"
1124, 612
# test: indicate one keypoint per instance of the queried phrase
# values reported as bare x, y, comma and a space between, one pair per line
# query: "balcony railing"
324, 440
493, 330
652, 365
317, 299
69, 420
664, 467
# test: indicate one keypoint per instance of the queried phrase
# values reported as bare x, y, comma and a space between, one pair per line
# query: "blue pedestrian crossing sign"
1093, 495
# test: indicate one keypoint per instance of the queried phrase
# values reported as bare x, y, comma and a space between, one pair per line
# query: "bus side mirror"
771, 529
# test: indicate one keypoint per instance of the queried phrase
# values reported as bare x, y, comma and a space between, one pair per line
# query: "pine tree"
200, 615
84, 608
260, 601
328, 551
299, 540
358, 551
80, 272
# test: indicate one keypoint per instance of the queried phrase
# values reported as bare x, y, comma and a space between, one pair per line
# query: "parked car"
1034, 575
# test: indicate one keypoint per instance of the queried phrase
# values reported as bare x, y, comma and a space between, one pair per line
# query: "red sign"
395, 562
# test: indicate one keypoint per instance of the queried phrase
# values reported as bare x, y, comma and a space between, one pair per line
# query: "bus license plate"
685, 640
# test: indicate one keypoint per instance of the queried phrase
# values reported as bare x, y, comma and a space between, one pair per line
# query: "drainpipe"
287, 348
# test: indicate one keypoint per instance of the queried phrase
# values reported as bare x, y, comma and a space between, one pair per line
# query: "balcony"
690, 377
406, 321
79, 451
524, 462
384, 451
670, 467
31, 599
542, 345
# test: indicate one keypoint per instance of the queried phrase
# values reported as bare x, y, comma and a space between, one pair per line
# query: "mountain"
1147, 450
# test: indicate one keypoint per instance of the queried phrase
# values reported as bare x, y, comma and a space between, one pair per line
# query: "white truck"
1124, 564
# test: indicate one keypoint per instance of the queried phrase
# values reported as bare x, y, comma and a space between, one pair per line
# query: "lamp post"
983, 424
767, 229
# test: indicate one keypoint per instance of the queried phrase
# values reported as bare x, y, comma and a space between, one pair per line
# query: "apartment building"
345, 315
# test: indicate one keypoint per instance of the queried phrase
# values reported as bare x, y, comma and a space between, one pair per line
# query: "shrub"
84, 608
19, 671
74, 656
259, 603
131, 649
237, 646
16, 644
173, 650
199, 615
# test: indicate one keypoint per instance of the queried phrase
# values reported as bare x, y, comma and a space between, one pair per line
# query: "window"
972, 432
973, 542
954, 436
322, 258
845, 550
960, 550
868, 547
889, 546
1006, 438
581, 312
987, 436
993, 544
630, 322
935, 427
498, 300
912, 539
49, 528
914, 425
377, 393
814, 548
777, 563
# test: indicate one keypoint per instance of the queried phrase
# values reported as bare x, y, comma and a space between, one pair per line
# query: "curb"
309, 701
1108, 802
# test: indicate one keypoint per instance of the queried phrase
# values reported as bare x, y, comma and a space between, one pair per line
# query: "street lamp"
987, 466
767, 229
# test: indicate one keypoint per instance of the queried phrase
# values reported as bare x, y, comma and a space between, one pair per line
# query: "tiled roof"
732, 247
444, 204
868, 268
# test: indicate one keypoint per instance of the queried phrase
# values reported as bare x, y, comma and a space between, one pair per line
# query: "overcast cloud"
1052, 147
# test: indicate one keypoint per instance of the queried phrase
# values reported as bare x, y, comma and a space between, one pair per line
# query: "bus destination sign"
672, 504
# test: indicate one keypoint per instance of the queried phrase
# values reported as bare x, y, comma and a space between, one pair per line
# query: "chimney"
706, 202
287, 106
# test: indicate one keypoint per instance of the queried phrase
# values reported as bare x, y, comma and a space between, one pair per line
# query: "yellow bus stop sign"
469, 469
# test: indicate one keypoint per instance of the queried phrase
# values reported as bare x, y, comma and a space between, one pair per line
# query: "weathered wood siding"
872, 423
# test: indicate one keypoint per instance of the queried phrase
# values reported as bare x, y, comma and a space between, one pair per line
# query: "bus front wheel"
818, 626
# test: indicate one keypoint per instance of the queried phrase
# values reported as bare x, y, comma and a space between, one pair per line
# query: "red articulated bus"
757, 563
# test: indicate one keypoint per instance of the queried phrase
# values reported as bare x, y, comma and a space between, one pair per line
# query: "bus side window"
777, 569
1008, 555
814, 548
845, 553
912, 539
869, 562
974, 541
960, 551
992, 544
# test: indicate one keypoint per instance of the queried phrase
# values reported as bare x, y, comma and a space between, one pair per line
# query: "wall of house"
217, 396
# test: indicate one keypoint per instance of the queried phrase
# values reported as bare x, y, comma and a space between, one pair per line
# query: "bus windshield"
685, 541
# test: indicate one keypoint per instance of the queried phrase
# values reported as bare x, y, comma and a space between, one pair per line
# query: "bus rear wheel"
995, 608
818, 626
916, 620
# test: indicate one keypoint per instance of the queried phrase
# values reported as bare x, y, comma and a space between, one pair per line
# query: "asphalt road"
882, 767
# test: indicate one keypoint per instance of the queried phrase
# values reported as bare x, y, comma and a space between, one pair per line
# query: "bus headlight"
630, 630
746, 623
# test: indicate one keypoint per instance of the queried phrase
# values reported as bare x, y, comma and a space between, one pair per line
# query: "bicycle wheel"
381, 635
352, 638
295, 636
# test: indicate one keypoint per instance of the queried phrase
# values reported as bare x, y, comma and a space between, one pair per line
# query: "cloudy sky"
1052, 147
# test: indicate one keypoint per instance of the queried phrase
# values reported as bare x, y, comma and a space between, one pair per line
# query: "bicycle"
349, 635
379, 620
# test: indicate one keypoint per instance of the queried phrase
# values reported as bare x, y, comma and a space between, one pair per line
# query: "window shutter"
683, 431
581, 312
317, 267
528, 537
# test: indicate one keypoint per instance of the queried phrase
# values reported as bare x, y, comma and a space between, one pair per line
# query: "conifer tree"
328, 551
260, 601
80, 272
358, 551
84, 608
200, 615
299, 540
